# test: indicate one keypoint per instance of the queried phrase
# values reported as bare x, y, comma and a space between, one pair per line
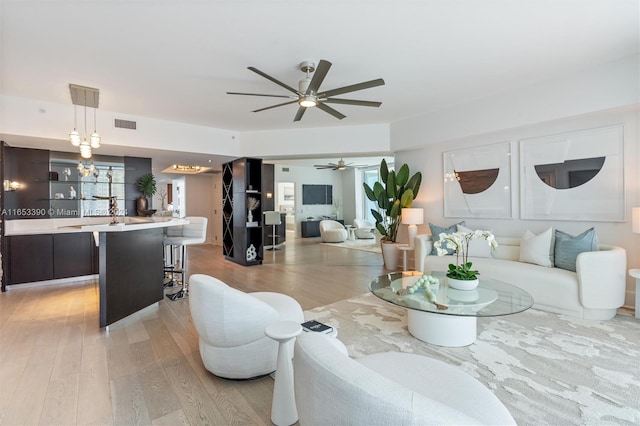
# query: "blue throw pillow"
437, 230
567, 247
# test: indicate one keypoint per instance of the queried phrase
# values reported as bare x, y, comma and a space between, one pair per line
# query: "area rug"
372, 245
547, 369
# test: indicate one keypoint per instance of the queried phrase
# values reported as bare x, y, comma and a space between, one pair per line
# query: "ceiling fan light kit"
308, 94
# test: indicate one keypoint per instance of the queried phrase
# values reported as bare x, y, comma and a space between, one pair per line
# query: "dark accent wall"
134, 167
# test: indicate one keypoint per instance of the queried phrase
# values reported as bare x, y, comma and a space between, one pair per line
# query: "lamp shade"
413, 216
635, 220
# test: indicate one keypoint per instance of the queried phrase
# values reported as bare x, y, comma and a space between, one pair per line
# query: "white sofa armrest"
602, 277
423, 244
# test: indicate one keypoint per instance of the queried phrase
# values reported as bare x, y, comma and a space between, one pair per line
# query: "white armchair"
231, 324
364, 229
332, 231
389, 388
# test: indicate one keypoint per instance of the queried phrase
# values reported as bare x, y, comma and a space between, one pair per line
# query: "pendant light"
85, 96
74, 136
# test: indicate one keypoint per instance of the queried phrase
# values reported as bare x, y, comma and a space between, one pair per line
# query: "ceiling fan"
309, 94
341, 165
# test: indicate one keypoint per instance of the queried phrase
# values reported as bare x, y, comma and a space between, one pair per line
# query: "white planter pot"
463, 284
390, 254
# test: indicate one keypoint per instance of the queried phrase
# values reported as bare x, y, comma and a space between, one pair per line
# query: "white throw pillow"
477, 247
537, 249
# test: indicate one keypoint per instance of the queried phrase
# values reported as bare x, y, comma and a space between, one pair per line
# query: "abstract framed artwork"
573, 176
478, 182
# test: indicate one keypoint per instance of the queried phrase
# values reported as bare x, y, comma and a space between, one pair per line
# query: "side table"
635, 273
283, 407
404, 250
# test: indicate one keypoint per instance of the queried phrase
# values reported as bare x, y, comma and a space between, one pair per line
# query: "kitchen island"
129, 259
130, 266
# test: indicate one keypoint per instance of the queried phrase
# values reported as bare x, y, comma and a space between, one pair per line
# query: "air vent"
125, 124
285, 169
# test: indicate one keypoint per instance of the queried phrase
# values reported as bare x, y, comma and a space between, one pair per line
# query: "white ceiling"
175, 59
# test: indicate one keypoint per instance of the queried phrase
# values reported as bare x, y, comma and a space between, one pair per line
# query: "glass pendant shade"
95, 140
74, 137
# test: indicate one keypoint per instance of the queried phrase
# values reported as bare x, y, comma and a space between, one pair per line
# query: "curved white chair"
364, 229
332, 231
195, 232
388, 388
231, 325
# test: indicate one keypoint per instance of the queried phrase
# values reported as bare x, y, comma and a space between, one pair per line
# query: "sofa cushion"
568, 247
537, 249
477, 247
435, 235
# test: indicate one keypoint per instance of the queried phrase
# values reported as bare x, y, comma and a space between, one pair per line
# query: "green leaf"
384, 170
395, 209
414, 183
377, 190
381, 229
378, 217
391, 184
402, 175
369, 192
407, 198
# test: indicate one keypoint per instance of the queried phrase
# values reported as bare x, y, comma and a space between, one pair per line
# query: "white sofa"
387, 388
595, 291
332, 231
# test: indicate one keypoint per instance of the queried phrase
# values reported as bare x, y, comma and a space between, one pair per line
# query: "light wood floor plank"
57, 366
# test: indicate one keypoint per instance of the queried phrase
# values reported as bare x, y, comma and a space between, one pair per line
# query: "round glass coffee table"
453, 319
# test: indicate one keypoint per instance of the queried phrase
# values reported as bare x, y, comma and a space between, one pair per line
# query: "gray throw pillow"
435, 235
567, 247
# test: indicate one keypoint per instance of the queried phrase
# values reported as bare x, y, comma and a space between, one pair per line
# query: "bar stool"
272, 219
195, 232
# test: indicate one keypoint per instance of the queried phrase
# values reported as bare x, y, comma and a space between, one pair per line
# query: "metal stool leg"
183, 292
169, 269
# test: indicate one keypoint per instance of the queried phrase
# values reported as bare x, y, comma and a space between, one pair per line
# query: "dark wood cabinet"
241, 234
29, 169
30, 258
73, 255
45, 257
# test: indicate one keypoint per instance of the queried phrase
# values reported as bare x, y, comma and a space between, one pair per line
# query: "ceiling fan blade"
278, 82
299, 114
329, 110
258, 94
352, 102
352, 88
276, 106
318, 76
322, 166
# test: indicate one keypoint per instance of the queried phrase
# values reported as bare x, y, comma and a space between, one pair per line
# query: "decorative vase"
142, 204
463, 284
390, 254
250, 217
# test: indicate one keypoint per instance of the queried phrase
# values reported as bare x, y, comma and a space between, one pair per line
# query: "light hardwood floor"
57, 367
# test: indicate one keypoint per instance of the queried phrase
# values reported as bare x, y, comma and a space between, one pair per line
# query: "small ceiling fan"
309, 95
341, 165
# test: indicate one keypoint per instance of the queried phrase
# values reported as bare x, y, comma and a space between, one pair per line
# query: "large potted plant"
395, 191
460, 276
147, 187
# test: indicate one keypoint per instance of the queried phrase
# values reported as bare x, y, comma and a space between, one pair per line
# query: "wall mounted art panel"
573, 176
477, 182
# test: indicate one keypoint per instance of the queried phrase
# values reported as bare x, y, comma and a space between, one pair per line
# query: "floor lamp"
412, 217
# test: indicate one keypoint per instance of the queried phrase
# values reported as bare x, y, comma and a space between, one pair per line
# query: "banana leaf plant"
395, 192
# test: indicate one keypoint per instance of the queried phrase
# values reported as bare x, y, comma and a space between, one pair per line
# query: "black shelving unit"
241, 238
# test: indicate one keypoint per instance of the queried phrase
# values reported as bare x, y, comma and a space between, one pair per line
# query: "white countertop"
101, 224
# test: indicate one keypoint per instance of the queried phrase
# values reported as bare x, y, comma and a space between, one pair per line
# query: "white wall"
429, 160
49, 120
346, 139
612, 85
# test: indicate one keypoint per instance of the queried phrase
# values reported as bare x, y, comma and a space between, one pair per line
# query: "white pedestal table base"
441, 329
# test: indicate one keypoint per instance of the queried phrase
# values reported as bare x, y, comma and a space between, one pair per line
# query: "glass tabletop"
490, 298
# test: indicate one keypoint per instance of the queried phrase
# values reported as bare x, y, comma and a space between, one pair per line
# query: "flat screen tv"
317, 194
